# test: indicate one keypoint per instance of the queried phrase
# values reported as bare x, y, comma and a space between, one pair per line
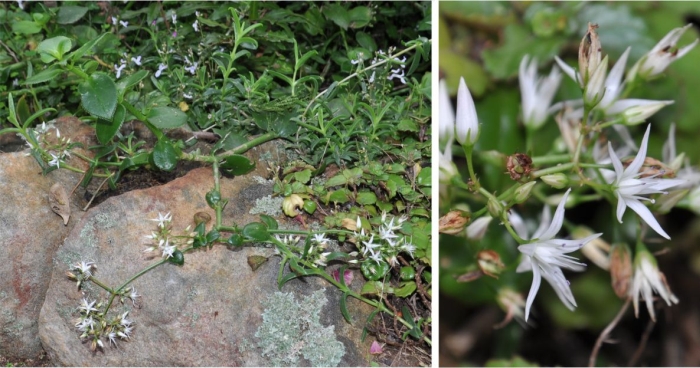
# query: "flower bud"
490, 263
519, 165
512, 303
558, 180
495, 207
523, 192
620, 269
477, 229
636, 111
291, 204
466, 121
589, 55
596, 250
665, 203
453, 222
595, 86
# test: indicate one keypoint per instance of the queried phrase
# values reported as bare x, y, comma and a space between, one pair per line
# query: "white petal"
536, 281
571, 72
621, 206
633, 168
647, 216
617, 164
558, 219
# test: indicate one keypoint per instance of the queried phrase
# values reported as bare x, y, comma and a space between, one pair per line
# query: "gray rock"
30, 232
204, 313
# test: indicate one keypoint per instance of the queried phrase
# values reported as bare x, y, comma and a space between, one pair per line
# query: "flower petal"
536, 281
558, 219
617, 164
636, 164
647, 216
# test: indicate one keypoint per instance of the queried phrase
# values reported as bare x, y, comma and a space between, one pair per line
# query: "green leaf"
284, 279
164, 155
407, 125
269, 221
98, 95
164, 117
424, 176
87, 47
256, 231
366, 41
504, 61
26, 27
339, 196
405, 289
337, 14
303, 176
516, 361
22, 110
359, 16
129, 81
69, 14
366, 197
45, 75
213, 236
235, 240
343, 304
415, 332
376, 288
105, 129
309, 207
237, 165
54, 48
338, 179
178, 258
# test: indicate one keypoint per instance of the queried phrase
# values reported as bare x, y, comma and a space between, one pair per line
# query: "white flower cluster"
162, 239
57, 150
387, 243
631, 183
93, 325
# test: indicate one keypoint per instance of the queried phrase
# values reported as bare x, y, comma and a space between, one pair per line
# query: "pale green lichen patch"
268, 205
291, 330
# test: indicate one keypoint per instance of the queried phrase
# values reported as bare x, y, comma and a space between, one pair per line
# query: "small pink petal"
336, 275
348, 277
376, 348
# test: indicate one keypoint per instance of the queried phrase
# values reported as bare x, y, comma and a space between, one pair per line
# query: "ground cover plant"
344, 87
569, 183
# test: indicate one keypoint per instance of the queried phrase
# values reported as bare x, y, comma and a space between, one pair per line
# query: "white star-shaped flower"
162, 219
647, 279
629, 187
545, 256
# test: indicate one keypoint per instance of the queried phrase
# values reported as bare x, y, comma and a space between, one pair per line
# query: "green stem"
102, 285
217, 187
353, 75
550, 159
248, 145
554, 169
468, 149
143, 118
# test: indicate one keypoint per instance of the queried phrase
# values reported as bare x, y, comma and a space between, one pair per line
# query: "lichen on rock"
292, 329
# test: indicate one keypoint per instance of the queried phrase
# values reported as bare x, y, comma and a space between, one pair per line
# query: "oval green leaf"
69, 14
237, 165
256, 231
44, 75
366, 198
164, 117
99, 96
164, 155
105, 130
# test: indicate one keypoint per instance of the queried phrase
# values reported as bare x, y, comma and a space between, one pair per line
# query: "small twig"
642, 344
97, 191
9, 51
606, 332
